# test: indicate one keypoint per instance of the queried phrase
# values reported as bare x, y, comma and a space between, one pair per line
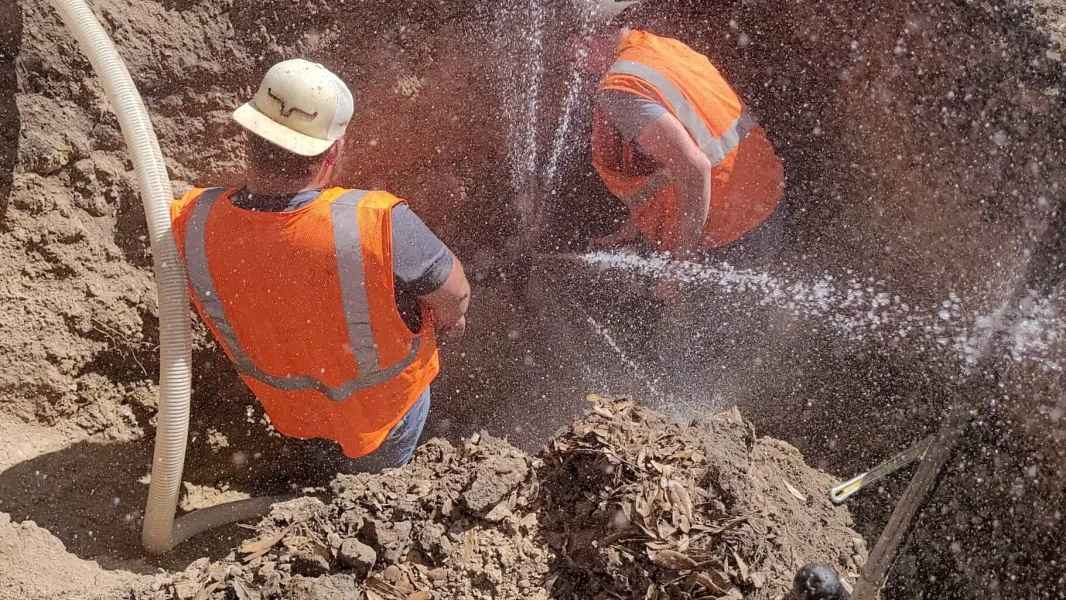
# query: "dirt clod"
330, 587
625, 503
357, 556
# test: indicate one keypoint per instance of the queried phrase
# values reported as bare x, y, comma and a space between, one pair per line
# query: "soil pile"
921, 140
625, 503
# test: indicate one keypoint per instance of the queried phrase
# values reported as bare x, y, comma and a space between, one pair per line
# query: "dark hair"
266, 157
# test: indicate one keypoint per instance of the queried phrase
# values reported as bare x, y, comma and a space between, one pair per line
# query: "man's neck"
262, 186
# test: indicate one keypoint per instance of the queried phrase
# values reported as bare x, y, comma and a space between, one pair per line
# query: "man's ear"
333, 154
329, 162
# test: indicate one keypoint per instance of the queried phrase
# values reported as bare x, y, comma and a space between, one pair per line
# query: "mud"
625, 503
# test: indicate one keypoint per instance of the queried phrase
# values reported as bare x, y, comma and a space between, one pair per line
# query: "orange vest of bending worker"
747, 178
303, 304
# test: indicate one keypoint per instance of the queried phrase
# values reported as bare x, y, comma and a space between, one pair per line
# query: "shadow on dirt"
10, 124
91, 494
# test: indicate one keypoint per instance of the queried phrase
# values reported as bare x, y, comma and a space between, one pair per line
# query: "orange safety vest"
747, 177
303, 304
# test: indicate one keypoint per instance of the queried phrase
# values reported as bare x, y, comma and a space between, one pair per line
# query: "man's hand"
456, 331
449, 302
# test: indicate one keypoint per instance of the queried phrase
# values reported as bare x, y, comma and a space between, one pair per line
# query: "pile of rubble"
626, 503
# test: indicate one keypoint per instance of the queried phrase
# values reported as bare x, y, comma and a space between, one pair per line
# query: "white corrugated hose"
160, 532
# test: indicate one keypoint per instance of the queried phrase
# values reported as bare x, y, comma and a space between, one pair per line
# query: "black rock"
818, 581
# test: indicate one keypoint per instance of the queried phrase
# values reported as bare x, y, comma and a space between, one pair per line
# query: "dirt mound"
625, 503
34, 564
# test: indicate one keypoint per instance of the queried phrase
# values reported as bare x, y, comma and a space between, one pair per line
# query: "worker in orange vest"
675, 143
327, 300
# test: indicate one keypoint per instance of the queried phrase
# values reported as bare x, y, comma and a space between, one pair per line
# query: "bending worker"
674, 142
327, 300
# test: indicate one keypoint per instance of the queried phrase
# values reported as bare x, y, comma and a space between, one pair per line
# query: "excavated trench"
923, 146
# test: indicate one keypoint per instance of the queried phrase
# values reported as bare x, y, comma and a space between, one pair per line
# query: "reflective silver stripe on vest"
353, 292
343, 214
715, 149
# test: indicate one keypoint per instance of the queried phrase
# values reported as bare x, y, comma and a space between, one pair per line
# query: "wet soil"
923, 143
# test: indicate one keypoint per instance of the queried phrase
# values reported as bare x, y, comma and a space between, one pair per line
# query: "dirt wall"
923, 143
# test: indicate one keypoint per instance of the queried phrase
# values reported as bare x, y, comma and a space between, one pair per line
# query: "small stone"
186, 589
433, 542
333, 587
437, 575
818, 581
357, 556
494, 481
392, 574
352, 521
312, 560
394, 539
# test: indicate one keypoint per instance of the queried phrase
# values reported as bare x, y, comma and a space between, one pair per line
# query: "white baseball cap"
301, 106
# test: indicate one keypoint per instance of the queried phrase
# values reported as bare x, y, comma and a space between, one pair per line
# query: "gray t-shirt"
421, 262
629, 113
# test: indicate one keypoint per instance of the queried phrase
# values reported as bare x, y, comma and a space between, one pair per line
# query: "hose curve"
160, 532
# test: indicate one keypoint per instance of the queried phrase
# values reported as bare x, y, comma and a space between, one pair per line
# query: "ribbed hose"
175, 379
172, 422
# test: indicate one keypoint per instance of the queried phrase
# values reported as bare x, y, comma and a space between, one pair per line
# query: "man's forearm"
694, 203
449, 302
668, 142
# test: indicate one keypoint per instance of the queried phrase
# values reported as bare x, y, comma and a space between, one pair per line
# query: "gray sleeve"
629, 113
421, 262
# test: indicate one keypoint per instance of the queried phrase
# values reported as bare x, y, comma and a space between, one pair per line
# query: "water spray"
1041, 275
860, 309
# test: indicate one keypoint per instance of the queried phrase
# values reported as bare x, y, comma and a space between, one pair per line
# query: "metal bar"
852, 486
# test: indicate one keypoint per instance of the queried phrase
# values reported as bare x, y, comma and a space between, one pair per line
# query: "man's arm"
667, 141
450, 301
427, 270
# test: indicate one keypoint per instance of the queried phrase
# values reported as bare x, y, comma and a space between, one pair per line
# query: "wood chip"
206, 591
712, 581
253, 549
792, 490
742, 567
681, 503
241, 591
672, 559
